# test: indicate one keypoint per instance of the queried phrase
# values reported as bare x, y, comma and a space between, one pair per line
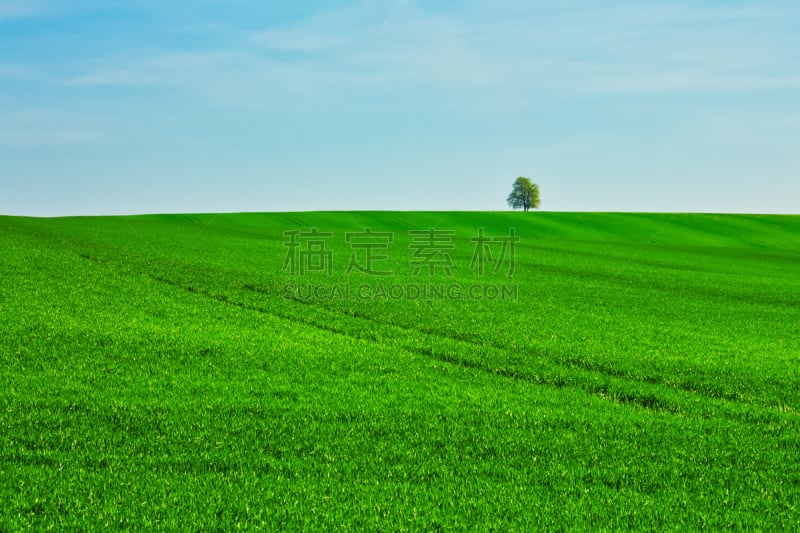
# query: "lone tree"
524, 194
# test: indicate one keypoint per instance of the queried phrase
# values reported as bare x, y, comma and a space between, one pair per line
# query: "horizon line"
288, 212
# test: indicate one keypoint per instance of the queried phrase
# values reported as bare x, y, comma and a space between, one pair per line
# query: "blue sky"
139, 106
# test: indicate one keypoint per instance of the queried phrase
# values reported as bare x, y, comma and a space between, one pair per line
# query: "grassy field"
633, 371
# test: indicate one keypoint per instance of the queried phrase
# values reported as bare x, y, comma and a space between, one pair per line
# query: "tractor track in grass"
566, 362
556, 370
416, 348
610, 386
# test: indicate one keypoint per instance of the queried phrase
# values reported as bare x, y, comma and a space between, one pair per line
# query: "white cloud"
611, 48
26, 129
296, 41
19, 72
16, 9
482, 57
151, 68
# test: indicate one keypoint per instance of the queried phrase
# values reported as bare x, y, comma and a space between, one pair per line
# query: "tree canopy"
524, 194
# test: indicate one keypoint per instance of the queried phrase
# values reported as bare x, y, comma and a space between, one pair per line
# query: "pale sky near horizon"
143, 106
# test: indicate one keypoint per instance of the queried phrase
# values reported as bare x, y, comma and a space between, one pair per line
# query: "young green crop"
164, 371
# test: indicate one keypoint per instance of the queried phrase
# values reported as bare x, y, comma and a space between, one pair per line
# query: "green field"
643, 371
